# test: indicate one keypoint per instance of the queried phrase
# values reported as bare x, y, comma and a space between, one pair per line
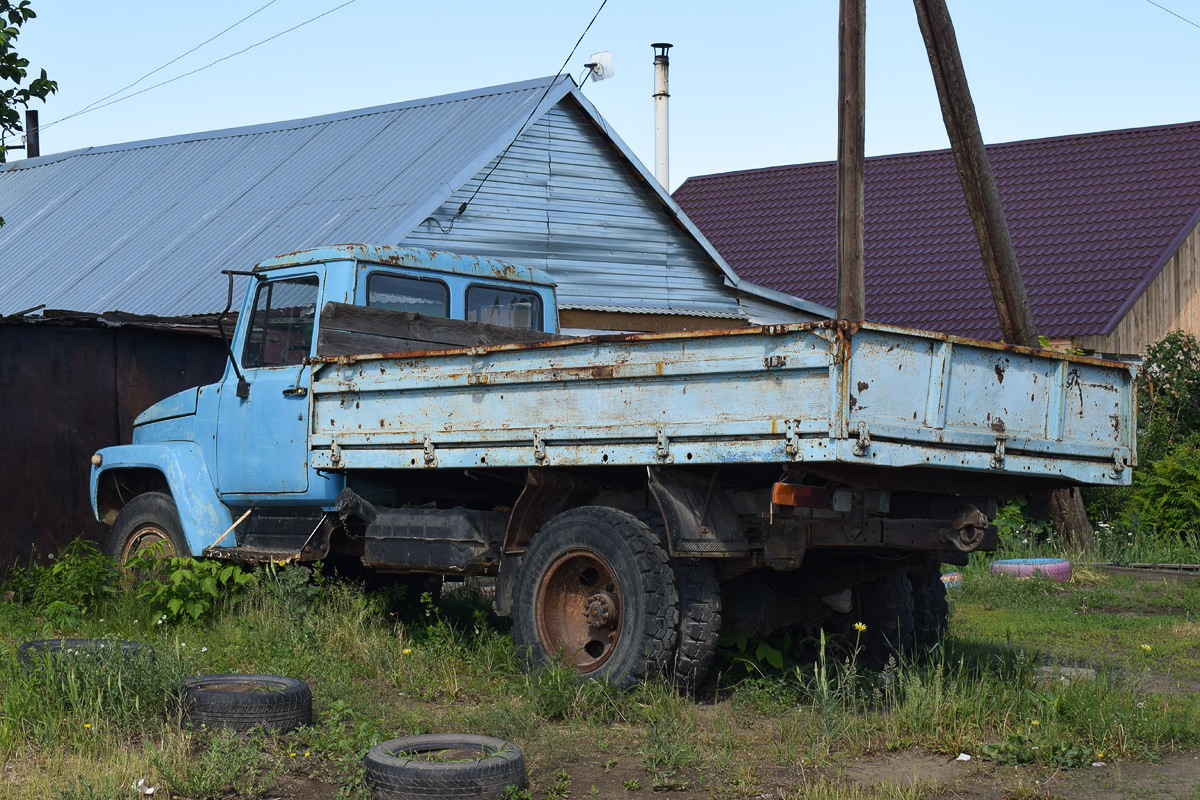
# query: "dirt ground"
1177, 777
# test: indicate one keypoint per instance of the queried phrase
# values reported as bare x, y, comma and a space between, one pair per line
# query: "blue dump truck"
635, 495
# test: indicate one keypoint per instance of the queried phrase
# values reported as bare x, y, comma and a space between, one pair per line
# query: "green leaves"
14, 70
770, 655
187, 587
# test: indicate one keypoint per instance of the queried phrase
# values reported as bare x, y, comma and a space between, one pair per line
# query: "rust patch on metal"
863, 386
1000, 373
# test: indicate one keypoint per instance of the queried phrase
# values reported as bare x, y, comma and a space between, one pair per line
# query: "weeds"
450, 666
104, 788
185, 586
229, 763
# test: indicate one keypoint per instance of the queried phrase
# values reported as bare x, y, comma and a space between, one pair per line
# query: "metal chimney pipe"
661, 63
33, 147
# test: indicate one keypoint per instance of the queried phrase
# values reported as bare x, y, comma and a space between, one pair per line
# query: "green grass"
1136, 624
381, 668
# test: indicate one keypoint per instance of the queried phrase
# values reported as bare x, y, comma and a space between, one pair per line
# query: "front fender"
203, 516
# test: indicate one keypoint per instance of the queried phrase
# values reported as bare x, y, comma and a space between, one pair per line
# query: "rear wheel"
885, 606
699, 611
148, 520
596, 593
930, 611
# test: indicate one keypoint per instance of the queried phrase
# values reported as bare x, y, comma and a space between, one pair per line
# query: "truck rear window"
415, 295
281, 324
506, 307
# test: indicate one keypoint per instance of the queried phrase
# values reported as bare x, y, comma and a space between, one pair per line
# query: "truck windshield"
281, 324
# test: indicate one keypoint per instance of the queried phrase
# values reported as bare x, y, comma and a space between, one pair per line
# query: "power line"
1173, 14
160, 69
549, 86
213, 63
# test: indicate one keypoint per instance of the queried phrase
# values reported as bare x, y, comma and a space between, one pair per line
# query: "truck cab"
214, 451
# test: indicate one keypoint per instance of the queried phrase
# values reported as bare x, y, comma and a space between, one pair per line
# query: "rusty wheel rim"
578, 609
144, 537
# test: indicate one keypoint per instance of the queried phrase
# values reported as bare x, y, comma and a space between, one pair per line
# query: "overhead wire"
1173, 14
213, 63
462, 208
88, 107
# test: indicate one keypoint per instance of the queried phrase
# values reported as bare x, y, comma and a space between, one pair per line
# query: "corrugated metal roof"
682, 311
1094, 217
145, 226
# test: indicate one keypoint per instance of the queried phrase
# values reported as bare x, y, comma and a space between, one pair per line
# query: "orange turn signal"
787, 494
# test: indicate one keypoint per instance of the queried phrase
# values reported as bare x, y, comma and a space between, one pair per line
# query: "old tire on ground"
100, 648
699, 611
885, 605
444, 765
596, 592
242, 702
930, 610
145, 521
1058, 569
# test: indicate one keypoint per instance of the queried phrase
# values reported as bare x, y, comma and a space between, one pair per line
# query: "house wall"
1170, 302
564, 200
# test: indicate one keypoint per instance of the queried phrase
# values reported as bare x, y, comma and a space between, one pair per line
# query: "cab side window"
281, 323
496, 306
404, 293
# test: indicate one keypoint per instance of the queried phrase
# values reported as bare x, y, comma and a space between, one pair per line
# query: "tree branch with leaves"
18, 90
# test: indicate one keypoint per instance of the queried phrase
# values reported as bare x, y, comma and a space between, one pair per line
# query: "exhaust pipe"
661, 63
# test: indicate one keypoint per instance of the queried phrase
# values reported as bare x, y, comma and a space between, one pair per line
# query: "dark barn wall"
67, 392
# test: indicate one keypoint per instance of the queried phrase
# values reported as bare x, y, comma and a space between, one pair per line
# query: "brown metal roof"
1094, 217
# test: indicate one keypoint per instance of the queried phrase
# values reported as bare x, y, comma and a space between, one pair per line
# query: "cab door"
262, 439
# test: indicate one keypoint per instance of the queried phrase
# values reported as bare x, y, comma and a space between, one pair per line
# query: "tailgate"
914, 394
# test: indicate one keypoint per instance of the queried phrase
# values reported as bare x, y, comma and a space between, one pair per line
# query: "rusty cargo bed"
834, 395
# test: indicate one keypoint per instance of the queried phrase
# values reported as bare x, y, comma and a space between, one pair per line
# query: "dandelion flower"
291, 755
1099, 755
87, 724
860, 626
306, 754
406, 650
1146, 647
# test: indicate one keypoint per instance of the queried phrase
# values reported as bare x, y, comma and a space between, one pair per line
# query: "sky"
753, 83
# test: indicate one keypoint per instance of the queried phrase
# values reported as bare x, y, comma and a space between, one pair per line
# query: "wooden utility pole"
987, 215
975, 175
852, 24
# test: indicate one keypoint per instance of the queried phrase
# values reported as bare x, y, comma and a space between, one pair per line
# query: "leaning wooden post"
987, 215
975, 175
852, 21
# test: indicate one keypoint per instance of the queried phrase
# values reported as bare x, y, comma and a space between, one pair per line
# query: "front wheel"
596, 592
148, 520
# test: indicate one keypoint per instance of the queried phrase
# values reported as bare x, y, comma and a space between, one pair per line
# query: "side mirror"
243, 385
